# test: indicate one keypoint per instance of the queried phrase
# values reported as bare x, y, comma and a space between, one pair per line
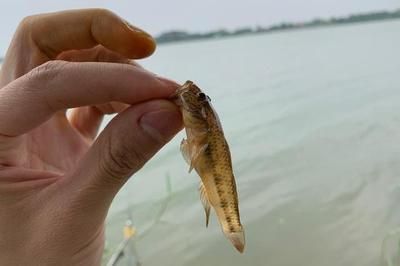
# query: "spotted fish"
207, 151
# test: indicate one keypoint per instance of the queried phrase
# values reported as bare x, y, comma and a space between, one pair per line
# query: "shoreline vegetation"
183, 36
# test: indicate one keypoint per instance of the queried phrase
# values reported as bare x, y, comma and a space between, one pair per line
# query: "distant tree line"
175, 36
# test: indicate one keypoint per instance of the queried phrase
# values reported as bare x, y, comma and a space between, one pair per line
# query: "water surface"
313, 120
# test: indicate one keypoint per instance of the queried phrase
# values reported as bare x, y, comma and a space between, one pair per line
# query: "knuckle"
26, 23
120, 160
44, 79
48, 71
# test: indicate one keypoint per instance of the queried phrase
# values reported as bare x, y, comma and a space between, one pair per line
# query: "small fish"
207, 151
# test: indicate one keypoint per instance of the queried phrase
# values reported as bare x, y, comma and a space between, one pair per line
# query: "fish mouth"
177, 95
237, 239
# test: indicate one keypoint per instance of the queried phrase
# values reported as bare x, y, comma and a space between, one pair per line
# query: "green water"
313, 121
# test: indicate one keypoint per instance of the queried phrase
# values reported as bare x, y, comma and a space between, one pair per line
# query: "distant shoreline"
183, 36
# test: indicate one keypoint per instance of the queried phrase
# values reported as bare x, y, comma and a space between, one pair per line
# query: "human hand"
57, 180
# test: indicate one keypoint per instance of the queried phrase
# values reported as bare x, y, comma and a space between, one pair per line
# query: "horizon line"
255, 26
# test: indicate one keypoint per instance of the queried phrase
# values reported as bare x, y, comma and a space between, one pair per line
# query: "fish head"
191, 99
195, 105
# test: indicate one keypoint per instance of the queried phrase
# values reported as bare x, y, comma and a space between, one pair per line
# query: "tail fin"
237, 239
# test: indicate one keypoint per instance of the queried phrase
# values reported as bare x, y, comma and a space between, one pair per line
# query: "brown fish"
207, 151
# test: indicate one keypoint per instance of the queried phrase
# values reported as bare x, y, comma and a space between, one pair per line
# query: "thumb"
122, 148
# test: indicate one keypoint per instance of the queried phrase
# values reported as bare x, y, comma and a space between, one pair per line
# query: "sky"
192, 15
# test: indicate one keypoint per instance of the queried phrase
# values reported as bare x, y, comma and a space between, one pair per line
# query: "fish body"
207, 151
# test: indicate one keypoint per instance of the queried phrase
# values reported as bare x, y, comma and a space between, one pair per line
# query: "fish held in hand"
207, 152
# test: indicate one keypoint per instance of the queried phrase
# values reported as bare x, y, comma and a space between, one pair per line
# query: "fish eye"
201, 96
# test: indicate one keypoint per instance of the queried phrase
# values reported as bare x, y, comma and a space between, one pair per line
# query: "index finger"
32, 99
54, 33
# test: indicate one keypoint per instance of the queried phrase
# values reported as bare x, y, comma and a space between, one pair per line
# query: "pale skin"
57, 179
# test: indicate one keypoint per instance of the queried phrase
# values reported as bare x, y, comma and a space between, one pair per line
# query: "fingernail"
137, 30
145, 44
163, 123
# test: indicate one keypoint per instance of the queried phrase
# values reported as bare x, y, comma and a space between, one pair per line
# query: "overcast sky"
194, 15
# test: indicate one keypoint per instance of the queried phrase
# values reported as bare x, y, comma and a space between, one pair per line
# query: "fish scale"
207, 151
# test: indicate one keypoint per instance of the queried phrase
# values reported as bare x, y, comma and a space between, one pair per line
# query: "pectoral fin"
191, 153
205, 201
185, 151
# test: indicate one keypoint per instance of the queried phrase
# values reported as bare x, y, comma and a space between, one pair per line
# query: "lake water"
313, 121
